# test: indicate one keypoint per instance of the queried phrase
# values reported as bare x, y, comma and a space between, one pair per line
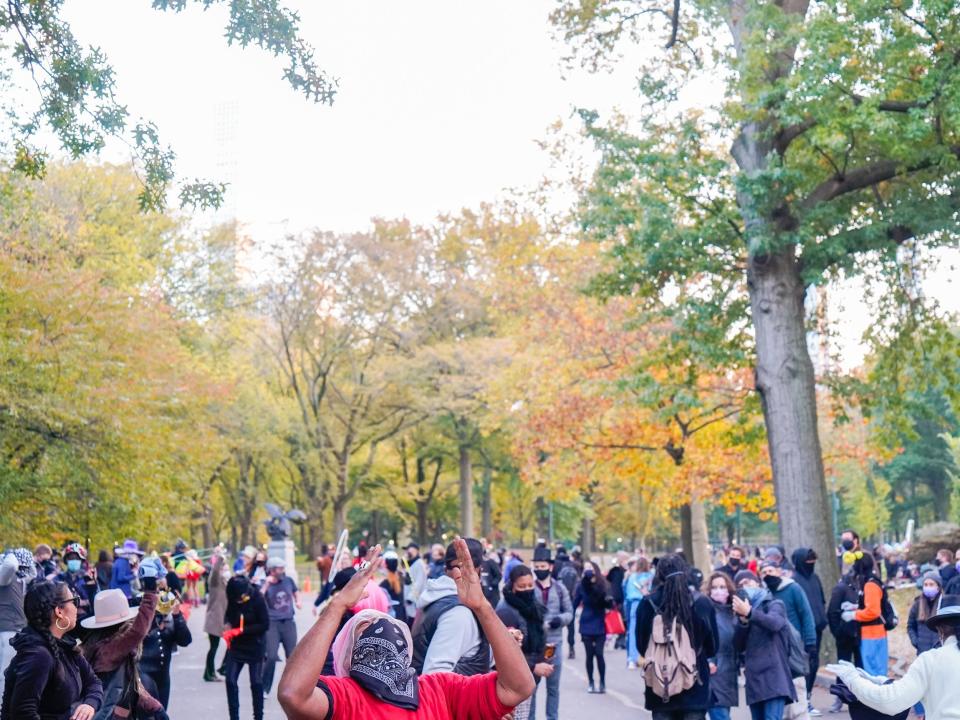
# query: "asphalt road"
192, 698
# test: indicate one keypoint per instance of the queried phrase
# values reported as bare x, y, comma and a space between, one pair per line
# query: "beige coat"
216, 599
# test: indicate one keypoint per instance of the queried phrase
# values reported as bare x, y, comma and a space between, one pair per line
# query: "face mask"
542, 574
525, 595
734, 563
73, 565
588, 575
380, 664
931, 593
847, 545
752, 592
719, 595
772, 582
392, 565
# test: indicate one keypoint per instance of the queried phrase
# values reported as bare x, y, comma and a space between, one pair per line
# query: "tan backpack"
670, 663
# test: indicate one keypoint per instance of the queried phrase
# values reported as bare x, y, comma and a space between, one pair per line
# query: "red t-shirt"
443, 696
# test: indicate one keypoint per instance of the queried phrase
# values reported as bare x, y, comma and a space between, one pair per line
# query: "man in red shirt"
375, 679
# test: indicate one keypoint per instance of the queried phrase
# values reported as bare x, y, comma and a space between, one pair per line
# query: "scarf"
534, 639
376, 651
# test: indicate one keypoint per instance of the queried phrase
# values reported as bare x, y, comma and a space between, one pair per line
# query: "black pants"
160, 681
255, 669
571, 632
280, 632
593, 644
211, 667
849, 650
814, 664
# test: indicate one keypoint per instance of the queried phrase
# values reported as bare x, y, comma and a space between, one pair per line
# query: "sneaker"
631, 665
812, 711
603, 688
590, 689
572, 655
836, 707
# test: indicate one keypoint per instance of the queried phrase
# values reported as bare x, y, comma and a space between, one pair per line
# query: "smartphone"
742, 594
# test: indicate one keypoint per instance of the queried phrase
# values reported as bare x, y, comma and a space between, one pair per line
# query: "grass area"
899, 643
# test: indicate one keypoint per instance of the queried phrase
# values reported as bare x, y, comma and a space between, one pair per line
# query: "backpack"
670, 662
797, 657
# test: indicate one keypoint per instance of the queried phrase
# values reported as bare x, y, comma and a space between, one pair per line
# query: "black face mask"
772, 582
847, 545
542, 574
734, 563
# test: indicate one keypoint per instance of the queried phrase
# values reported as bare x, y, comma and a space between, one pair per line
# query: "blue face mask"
73, 565
931, 593
753, 593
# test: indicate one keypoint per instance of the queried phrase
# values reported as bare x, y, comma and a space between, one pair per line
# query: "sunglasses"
75, 600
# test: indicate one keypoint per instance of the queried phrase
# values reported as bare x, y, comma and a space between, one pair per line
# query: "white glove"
844, 670
847, 616
848, 606
875, 679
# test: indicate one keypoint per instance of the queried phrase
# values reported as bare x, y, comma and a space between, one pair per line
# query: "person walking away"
799, 615
868, 613
804, 560
437, 562
167, 632
114, 643
104, 570
734, 562
671, 625
925, 607
124, 568
760, 636
558, 614
930, 680
17, 569
81, 579
49, 678
568, 574
282, 596
395, 584
446, 634
592, 593
636, 586
615, 577
245, 626
519, 609
216, 608
361, 690
725, 664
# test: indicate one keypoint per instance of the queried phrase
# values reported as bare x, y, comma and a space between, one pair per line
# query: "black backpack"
888, 613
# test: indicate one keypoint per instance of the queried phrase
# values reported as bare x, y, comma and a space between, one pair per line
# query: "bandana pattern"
380, 663
27, 569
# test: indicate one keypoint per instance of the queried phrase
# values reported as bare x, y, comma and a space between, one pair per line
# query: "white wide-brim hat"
110, 607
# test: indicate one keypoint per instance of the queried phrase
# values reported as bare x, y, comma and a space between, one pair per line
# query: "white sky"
440, 107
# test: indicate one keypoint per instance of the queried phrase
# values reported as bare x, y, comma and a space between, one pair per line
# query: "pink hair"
376, 599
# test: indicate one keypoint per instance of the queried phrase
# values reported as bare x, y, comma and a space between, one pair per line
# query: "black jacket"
615, 579
810, 583
166, 634
251, 645
704, 636
38, 686
948, 573
846, 633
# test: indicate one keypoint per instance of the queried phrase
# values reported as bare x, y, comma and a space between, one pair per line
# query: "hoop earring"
57, 623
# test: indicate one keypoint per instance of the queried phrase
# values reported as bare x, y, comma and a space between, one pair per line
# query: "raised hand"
356, 590
466, 577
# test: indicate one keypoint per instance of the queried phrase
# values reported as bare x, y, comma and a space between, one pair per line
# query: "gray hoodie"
457, 633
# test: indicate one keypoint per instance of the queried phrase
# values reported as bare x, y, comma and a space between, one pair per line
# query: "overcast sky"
440, 107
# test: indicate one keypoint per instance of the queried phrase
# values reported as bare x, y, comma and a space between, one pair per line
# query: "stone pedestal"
285, 550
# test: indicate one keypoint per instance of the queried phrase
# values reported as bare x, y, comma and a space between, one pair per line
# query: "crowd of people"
397, 630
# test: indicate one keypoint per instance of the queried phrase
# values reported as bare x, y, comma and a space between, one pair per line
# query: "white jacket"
457, 634
932, 680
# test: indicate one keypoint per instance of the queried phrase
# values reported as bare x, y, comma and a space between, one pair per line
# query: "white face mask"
719, 595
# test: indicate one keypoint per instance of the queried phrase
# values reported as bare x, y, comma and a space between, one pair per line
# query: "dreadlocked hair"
41, 599
677, 600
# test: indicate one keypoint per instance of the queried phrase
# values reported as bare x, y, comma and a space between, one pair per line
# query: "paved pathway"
193, 699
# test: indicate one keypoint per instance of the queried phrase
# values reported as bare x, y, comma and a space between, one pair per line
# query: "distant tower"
226, 138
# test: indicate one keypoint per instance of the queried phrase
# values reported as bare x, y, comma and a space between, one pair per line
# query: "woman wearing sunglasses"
49, 678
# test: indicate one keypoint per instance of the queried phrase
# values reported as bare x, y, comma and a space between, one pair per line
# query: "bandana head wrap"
376, 650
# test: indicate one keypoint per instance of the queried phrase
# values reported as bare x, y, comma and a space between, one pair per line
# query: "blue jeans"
768, 709
875, 655
633, 652
553, 688
719, 713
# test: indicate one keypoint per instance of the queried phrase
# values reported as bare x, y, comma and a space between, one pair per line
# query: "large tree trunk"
587, 539
686, 531
700, 537
786, 384
466, 493
486, 505
422, 530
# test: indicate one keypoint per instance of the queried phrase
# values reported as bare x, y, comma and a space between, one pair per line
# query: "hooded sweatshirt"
809, 582
457, 634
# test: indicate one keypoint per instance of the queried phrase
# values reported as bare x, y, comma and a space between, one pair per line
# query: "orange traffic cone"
306, 584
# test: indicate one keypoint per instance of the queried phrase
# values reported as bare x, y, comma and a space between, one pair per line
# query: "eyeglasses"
75, 600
